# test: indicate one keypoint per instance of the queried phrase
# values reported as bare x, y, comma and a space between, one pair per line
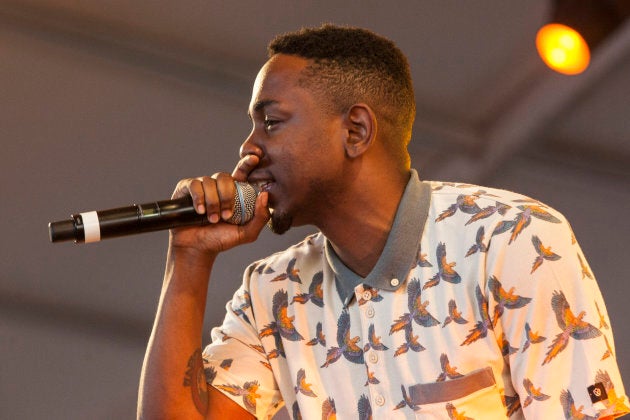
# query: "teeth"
262, 185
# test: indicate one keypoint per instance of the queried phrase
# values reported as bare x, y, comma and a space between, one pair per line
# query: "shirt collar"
401, 249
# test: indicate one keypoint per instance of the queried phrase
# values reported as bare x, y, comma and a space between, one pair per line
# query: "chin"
280, 222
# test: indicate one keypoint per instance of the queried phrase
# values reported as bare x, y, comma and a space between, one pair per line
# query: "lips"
263, 185
261, 182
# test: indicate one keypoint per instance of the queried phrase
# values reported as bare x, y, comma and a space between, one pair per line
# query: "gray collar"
401, 249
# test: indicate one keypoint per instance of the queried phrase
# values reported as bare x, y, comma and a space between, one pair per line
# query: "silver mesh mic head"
244, 203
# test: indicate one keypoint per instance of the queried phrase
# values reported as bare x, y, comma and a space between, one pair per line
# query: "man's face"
300, 146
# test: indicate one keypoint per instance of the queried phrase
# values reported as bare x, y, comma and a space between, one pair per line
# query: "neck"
359, 228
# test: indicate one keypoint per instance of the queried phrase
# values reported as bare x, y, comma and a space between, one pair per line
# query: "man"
415, 299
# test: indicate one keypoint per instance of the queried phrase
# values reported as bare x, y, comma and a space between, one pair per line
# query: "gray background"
106, 103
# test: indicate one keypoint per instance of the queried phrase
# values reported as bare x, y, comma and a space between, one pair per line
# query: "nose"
250, 147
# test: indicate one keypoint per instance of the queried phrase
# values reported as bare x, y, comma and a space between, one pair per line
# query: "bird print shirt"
481, 306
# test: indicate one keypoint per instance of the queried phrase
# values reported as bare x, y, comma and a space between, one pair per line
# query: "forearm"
172, 383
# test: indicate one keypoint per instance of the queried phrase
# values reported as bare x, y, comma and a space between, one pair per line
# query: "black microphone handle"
149, 217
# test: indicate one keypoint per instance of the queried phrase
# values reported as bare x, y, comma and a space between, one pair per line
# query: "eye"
270, 123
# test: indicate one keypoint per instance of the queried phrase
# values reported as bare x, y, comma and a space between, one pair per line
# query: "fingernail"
214, 218
226, 214
201, 209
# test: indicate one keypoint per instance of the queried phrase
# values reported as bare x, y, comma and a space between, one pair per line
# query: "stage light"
576, 28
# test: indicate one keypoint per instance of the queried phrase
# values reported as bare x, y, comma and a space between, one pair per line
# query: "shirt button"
373, 357
369, 312
394, 282
367, 295
379, 400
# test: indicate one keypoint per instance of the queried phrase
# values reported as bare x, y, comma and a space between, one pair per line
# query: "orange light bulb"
563, 49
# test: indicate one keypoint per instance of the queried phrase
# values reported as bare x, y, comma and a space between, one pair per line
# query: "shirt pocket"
475, 395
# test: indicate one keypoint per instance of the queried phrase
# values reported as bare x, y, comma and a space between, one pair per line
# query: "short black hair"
354, 65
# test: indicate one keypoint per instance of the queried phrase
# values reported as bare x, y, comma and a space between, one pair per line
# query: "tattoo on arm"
195, 378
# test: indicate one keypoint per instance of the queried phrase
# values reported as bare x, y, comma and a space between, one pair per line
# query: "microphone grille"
244, 203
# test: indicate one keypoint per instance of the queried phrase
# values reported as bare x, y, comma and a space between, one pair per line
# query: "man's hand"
214, 196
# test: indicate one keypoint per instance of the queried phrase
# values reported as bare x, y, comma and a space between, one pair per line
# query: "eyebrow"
260, 105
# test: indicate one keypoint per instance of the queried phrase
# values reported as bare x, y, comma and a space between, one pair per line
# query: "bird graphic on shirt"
291, 273
585, 270
505, 299
279, 350
523, 219
453, 414
451, 184
481, 327
448, 371
445, 269
295, 409
602, 318
532, 393
489, 211
417, 310
329, 411
504, 345
531, 337
422, 260
411, 343
315, 291
544, 253
319, 338
608, 351
512, 403
247, 391
346, 346
244, 305
264, 268
453, 315
464, 203
301, 386
282, 326
374, 342
364, 408
478, 246
572, 326
283, 323
569, 409
210, 373
406, 401
371, 378
374, 295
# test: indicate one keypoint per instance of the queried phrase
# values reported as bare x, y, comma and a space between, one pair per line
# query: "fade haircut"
351, 65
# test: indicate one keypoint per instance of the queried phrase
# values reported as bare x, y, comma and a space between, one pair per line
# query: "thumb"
252, 229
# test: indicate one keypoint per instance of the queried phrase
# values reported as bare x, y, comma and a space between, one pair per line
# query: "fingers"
226, 192
244, 167
213, 196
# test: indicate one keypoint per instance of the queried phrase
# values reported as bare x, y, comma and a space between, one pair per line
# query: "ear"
361, 127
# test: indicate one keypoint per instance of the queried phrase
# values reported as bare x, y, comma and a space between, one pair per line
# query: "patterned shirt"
481, 306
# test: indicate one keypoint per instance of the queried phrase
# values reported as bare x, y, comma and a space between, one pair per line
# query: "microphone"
94, 226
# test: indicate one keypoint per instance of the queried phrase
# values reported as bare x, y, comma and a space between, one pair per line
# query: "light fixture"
576, 28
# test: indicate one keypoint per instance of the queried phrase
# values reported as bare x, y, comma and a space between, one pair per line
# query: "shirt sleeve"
235, 361
550, 321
